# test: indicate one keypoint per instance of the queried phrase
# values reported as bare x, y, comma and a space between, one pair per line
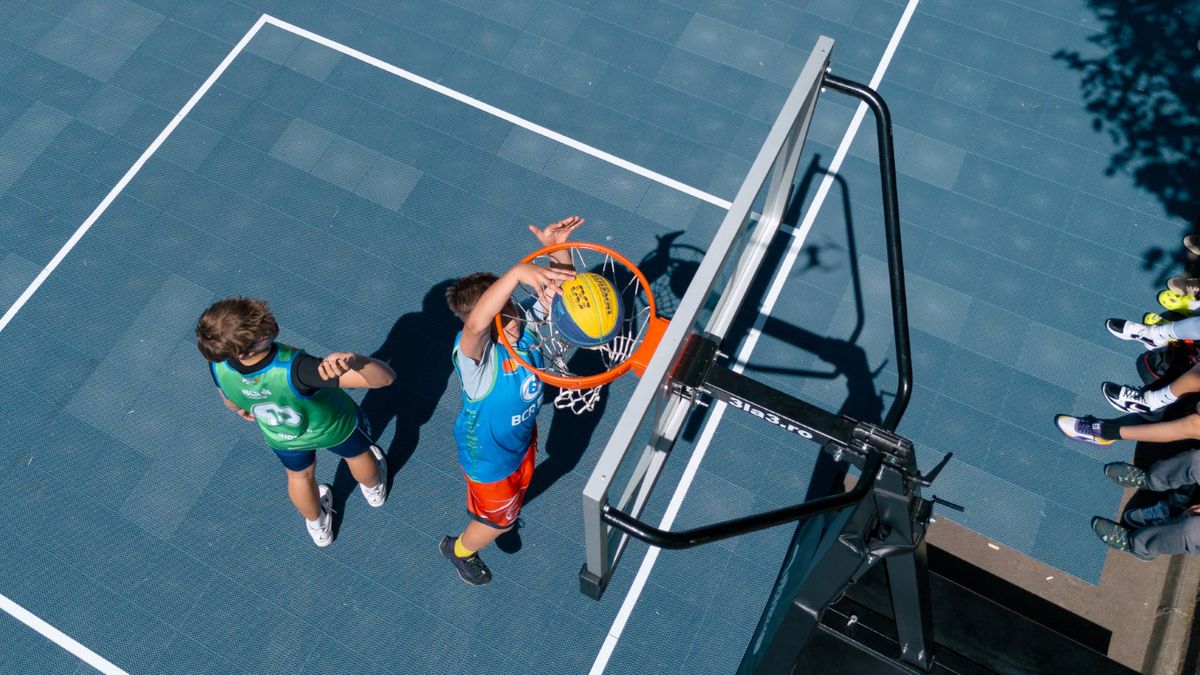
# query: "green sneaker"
1127, 475
1114, 535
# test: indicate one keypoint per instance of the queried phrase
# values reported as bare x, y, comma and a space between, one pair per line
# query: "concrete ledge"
1148, 606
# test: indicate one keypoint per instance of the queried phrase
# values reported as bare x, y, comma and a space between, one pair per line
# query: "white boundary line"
502, 114
133, 171
777, 282
59, 638
18, 612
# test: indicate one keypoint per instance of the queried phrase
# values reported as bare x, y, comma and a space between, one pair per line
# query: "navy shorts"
356, 444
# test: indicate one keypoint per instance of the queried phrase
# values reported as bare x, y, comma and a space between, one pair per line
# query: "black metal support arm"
891, 222
732, 528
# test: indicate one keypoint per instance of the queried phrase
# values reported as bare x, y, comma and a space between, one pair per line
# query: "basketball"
588, 313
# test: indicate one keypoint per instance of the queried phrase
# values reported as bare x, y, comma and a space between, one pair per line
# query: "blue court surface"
345, 159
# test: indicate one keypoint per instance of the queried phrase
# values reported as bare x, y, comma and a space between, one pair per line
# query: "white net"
562, 358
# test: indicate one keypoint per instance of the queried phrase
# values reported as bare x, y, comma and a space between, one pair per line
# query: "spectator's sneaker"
1176, 302
378, 494
1157, 513
1192, 244
1132, 330
1130, 400
1114, 534
1154, 319
1184, 285
1172, 506
1126, 475
322, 535
1086, 429
472, 569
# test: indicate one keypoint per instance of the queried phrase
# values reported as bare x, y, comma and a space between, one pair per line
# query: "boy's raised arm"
477, 327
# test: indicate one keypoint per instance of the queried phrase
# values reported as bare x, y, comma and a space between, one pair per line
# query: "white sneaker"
1132, 330
322, 532
377, 495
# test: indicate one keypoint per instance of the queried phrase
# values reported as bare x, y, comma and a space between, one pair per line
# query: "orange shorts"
498, 504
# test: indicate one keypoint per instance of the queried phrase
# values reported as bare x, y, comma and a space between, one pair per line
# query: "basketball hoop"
641, 328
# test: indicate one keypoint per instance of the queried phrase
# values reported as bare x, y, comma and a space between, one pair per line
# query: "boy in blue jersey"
496, 431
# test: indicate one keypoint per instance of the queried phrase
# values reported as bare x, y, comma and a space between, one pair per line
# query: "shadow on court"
418, 349
1142, 89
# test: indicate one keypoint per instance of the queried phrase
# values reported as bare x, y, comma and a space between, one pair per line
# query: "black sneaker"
1130, 400
1126, 475
472, 569
1115, 535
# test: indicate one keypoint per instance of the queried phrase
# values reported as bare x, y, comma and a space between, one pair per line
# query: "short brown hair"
231, 327
464, 293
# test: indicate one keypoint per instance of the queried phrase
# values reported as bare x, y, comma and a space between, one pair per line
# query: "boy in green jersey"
298, 402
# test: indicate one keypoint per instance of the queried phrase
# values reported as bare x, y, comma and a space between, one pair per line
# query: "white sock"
319, 522
1160, 398
1159, 333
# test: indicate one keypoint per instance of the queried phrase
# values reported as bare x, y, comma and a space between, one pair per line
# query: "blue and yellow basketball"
589, 312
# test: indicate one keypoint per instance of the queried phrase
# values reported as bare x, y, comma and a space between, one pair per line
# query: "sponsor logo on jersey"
531, 411
531, 388
287, 437
256, 395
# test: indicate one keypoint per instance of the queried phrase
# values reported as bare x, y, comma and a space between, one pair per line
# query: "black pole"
732, 528
891, 221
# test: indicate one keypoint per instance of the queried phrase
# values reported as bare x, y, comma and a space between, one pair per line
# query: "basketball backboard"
650, 424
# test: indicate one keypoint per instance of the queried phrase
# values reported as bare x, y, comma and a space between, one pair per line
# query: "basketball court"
347, 160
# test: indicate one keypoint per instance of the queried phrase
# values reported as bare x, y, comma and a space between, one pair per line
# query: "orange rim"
637, 361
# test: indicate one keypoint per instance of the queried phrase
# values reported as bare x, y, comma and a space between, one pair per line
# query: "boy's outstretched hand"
556, 233
336, 364
547, 281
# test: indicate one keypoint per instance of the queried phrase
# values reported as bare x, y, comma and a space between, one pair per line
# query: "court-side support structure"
834, 607
842, 536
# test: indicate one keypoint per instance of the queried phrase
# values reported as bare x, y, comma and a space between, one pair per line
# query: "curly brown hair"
232, 326
465, 292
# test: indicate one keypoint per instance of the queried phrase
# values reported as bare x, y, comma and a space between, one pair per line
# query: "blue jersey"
500, 402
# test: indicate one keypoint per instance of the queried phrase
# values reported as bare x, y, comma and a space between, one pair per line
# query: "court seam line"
768, 304
13, 609
494, 111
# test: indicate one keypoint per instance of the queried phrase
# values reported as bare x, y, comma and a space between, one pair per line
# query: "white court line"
133, 171
59, 638
502, 114
20, 613
781, 275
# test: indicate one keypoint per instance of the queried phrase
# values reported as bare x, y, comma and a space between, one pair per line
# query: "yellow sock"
462, 551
